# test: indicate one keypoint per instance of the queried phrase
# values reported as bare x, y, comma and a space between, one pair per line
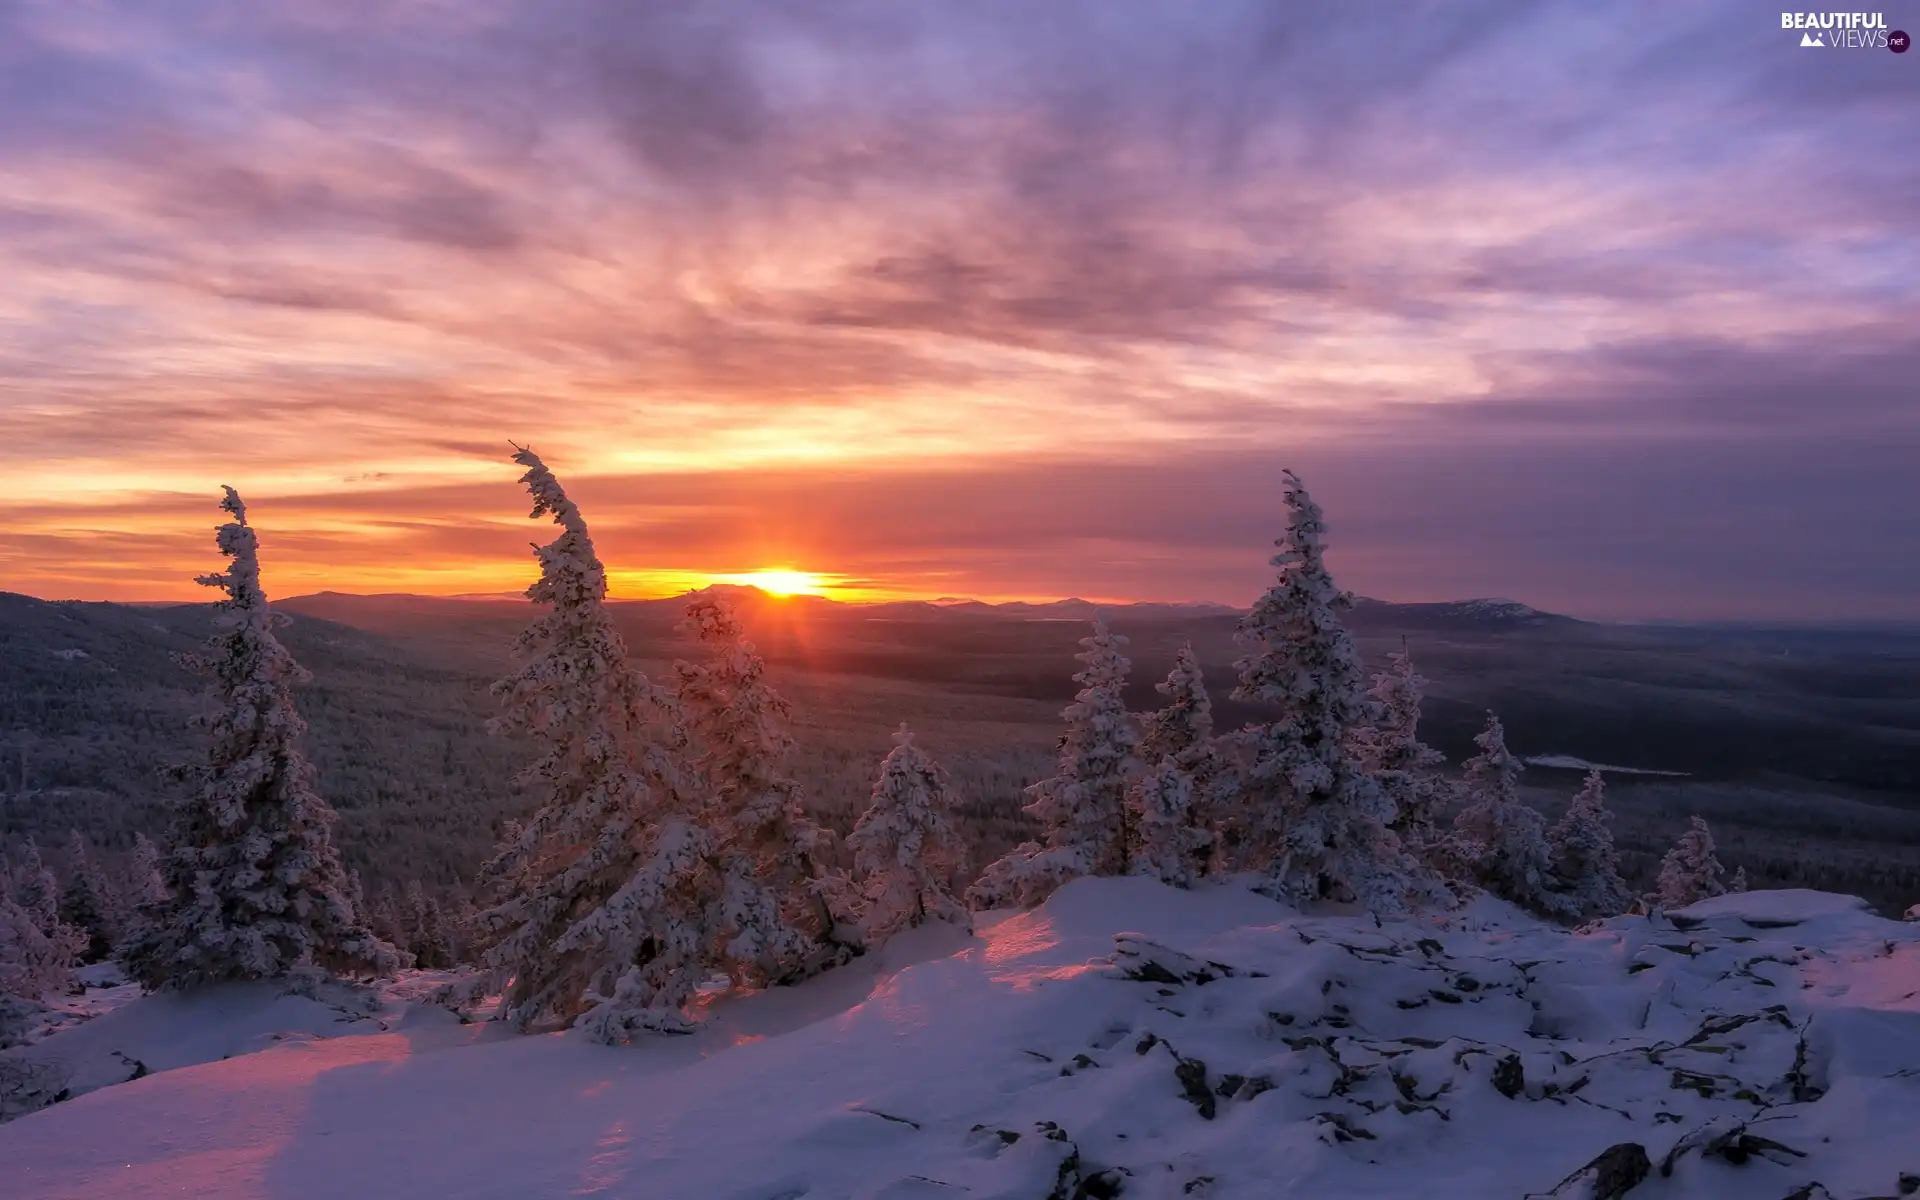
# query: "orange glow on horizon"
138, 580
779, 581
782, 581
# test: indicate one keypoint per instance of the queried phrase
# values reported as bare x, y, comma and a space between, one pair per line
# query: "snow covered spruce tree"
1170, 821
1169, 846
88, 901
1390, 749
38, 951
604, 896
34, 960
1690, 871
1084, 807
357, 896
1302, 808
1585, 864
428, 937
256, 887
145, 887
34, 888
788, 914
1498, 840
905, 850
143, 891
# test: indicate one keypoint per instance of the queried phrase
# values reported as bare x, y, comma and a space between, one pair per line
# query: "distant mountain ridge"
1482, 614
92, 706
1487, 614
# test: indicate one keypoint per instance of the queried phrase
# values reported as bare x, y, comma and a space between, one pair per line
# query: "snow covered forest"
1796, 758
671, 861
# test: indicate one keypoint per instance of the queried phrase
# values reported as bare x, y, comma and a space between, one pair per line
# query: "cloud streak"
756, 262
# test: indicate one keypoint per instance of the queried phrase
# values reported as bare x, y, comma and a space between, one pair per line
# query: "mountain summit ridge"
1483, 612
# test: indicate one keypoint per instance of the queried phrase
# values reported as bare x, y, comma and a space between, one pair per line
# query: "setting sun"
779, 581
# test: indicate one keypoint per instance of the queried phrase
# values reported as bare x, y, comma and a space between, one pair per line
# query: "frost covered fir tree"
601, 914
1172, 840
87, 901
1690, 871
1302, 809
255, 886
1585, 865
1084, 807
1183, 729
1169, 846
34, 888
38, 951
427, 934
1498, 839
905, 850
384, 915
1389, 748
790, 915
145, 886
357, 896
34, 960
143, 890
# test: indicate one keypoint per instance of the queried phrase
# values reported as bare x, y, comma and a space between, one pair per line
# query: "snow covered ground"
1124, 1039
104, 987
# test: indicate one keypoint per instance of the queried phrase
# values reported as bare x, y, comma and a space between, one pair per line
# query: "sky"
1611, 309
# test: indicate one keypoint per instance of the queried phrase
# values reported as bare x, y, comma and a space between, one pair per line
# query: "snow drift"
1125, 1039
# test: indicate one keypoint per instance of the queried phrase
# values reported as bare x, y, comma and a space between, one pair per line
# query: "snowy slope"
1773, 1038
108, 1036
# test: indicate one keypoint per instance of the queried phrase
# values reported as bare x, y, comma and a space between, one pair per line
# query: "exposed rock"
1147, 961
1192, 1074
1613, 1173
1509, 1077
1729, 1140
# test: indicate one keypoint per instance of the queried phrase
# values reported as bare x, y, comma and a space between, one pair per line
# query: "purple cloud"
1549, 300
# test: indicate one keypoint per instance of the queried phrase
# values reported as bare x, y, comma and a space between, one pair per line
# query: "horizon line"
953, 601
